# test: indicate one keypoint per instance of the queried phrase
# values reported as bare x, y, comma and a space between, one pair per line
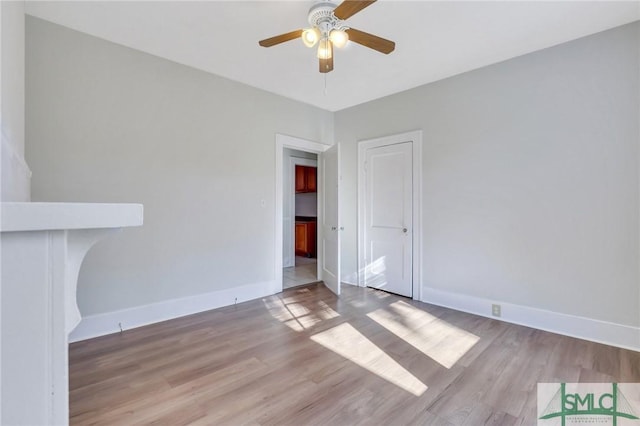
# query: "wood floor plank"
306, 357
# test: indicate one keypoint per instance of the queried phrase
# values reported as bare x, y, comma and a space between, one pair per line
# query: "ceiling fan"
328, 29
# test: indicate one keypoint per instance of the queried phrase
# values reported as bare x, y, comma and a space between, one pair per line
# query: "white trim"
14, 156
415, 137
1, 143
107, 323
16, 174
297, 161
609, 333
282, 142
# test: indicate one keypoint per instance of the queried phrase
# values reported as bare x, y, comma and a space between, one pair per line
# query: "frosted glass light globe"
310, 37
339, 38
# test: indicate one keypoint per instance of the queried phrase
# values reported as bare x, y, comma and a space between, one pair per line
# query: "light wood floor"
306, 357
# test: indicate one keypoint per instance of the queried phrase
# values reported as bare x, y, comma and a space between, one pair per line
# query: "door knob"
333, 228
404, 230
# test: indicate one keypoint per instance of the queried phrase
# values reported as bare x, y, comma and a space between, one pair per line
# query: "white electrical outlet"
496, 310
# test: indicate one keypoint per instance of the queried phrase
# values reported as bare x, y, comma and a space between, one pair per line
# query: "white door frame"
282, 142
415, 137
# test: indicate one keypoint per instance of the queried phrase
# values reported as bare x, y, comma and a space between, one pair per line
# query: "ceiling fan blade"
326, 65
268, 42
371, 41
350, 7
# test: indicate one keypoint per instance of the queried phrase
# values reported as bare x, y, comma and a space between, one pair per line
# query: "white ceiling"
434, 40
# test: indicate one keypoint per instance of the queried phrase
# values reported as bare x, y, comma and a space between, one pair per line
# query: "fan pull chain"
325, 84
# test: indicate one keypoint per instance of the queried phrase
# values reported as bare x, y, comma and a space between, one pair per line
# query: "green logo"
592, 401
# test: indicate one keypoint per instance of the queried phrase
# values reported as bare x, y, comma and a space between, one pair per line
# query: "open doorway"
327, 235
300, 214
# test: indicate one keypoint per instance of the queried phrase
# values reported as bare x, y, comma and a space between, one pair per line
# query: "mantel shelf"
43, 246
57, 216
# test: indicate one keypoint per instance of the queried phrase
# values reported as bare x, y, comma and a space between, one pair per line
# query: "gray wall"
110, 124
307, 204
530, 190
530, 185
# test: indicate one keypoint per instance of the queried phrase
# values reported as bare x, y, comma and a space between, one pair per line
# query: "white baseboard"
107, 323
609, 333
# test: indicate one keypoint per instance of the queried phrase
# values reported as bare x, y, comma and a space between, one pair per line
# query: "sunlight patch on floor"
297, 316
437, 339
326, 312
349, 343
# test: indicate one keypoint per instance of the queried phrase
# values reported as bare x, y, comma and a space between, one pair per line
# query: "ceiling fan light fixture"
339, 38
327, 27
310, 36
325, 50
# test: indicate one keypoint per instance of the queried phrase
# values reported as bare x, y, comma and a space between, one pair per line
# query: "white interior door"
388, 216
329, 172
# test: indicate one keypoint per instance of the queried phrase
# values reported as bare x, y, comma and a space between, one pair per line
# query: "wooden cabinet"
306, 239
301, 179
311, 179
306, 180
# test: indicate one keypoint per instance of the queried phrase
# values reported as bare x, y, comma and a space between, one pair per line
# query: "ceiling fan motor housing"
321, 16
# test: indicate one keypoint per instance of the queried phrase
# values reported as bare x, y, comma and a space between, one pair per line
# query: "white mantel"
42, 246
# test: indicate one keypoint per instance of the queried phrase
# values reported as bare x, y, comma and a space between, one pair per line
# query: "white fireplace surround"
42, 246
